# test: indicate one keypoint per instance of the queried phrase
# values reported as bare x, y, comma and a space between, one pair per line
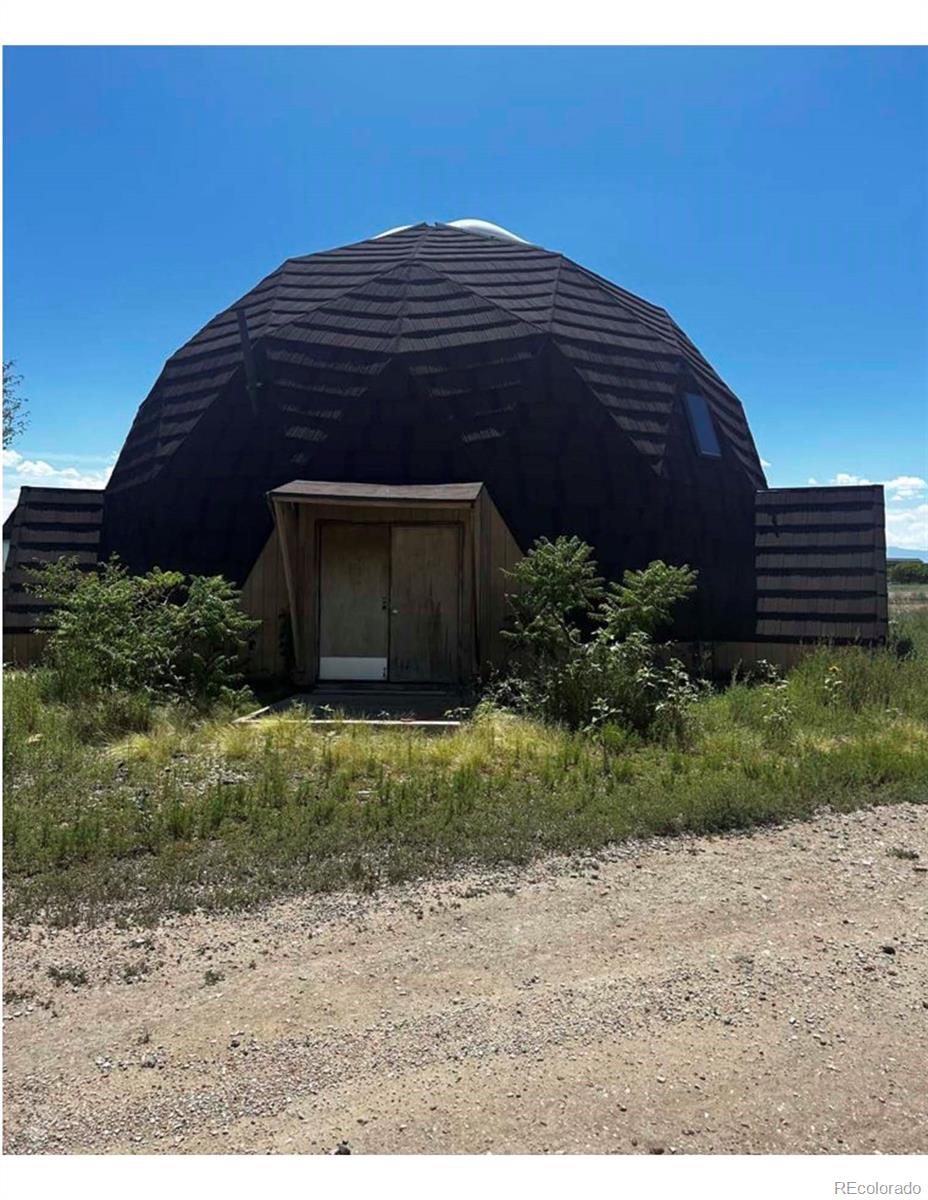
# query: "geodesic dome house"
373, 434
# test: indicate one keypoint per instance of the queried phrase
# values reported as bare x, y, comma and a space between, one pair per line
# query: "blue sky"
774, 200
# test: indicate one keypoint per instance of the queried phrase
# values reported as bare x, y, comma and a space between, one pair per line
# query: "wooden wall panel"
498, 552
23, 649
721, 659
426, 572
354, 590
264, 596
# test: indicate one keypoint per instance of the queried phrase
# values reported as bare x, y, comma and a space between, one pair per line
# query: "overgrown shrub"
583, 654
907, 570
158, 636
644, 601
555, 589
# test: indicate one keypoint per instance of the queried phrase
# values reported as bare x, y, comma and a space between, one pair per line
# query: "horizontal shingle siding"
47, 524
820, 562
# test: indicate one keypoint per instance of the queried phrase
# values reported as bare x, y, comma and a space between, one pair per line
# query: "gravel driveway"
764, 993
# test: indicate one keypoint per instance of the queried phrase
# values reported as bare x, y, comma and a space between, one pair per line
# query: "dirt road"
763, 993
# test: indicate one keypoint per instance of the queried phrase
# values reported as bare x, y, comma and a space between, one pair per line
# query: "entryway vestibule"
392, 584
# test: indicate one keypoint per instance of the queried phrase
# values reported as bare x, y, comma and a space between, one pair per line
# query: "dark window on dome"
703, 430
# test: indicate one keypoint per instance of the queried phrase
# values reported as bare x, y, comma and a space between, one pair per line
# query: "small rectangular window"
701, 426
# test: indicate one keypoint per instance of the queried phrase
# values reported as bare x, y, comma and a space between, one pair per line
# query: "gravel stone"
511, 1009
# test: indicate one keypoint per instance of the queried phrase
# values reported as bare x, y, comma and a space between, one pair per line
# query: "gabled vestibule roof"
308, 489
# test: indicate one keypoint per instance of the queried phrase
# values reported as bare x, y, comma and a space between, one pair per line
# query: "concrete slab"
329, 705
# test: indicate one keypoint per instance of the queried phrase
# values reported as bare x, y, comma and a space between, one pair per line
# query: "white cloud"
907, 528
19, 471
902, 487
905, 487
842, 479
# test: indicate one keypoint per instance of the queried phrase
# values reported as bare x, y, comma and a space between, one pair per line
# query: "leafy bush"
644, 601
907, 570
556, 587
162, 635
584, 654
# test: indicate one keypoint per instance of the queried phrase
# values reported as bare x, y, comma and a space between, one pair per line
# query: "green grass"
185, 813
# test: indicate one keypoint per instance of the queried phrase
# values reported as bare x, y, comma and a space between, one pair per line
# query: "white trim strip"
352, 668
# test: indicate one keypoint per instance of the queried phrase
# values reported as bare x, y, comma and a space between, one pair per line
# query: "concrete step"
381, 705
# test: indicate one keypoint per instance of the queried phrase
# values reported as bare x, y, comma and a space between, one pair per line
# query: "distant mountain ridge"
895, 552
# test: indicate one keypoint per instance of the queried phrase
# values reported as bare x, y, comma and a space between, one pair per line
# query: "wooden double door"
390, 601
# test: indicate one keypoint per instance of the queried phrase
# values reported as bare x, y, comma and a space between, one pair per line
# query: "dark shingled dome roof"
436, 355
349, 312
437, 360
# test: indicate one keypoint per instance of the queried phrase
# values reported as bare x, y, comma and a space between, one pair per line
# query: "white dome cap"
468, 225
387, 232
487, 229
